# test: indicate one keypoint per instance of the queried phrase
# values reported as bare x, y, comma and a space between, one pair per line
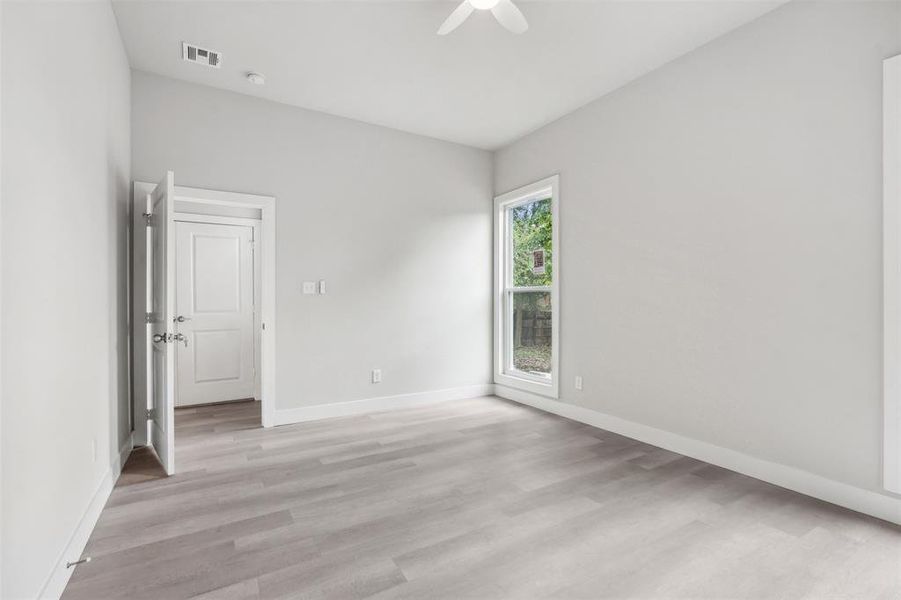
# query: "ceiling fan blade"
456, 18
509, 16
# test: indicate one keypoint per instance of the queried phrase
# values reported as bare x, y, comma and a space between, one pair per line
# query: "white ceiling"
381, 61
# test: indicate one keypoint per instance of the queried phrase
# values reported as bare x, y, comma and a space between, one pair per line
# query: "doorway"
216, 294
203, 319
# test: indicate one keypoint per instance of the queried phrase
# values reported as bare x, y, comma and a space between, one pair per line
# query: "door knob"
180, 337
159, 337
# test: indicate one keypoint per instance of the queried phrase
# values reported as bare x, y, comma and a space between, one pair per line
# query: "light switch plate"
309, 287
322, 286
578, 382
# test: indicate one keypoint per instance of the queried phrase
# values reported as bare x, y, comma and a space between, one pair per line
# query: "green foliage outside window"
532, 229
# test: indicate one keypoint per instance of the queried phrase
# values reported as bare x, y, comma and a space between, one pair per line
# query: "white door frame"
891, 264
256, 226
266, 258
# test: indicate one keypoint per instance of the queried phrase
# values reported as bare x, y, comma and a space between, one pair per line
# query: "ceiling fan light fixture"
506, 13
484, 4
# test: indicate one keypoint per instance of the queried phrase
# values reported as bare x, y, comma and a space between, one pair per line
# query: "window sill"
546, 389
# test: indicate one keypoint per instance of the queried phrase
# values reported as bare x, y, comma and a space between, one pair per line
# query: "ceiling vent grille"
201, 56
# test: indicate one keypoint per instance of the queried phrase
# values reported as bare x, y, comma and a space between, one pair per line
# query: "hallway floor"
469, 499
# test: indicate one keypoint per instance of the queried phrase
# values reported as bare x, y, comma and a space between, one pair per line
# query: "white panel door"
215, 312
161, 306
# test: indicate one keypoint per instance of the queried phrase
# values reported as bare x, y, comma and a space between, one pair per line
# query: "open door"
161, 320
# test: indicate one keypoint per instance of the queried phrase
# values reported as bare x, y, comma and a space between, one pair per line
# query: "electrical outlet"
309, 287
376, 376
579, 382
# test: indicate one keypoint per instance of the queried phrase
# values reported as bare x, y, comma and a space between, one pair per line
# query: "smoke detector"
201, 56
256, 78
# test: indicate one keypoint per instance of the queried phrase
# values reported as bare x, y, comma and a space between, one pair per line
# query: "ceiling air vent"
201, 56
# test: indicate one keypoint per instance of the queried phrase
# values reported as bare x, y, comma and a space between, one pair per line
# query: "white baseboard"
288, 416
59, 577
858, 499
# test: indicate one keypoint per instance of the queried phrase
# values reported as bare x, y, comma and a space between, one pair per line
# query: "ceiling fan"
504, 11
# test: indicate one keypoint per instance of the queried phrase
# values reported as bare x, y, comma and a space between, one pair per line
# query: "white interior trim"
189, 217
368, 405
804, 482
59, 577
267, 245
137, 335
549, 185
206, 209
891, 264
1, 296
256, 225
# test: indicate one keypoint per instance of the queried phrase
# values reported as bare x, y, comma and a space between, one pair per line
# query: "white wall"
65, 174
1, 298
398, 225
721, 240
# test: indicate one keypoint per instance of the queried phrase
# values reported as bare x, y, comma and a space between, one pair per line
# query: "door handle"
168, 337
182, 319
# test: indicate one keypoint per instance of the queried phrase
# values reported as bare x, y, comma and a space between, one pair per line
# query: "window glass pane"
531, 227
531, 329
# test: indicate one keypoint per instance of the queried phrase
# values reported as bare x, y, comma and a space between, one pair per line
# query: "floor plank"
468, 499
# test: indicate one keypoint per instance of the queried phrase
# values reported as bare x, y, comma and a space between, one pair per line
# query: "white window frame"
503, 372
891, 240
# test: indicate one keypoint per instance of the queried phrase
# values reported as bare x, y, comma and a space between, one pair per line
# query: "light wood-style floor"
468, 499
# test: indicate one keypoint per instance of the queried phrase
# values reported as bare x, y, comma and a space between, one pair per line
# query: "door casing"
252, 226
265, 252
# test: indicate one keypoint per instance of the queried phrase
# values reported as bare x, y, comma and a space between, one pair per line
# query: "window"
526, 289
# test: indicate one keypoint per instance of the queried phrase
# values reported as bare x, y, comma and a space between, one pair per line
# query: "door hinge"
147, 218
148, 317
150, 413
